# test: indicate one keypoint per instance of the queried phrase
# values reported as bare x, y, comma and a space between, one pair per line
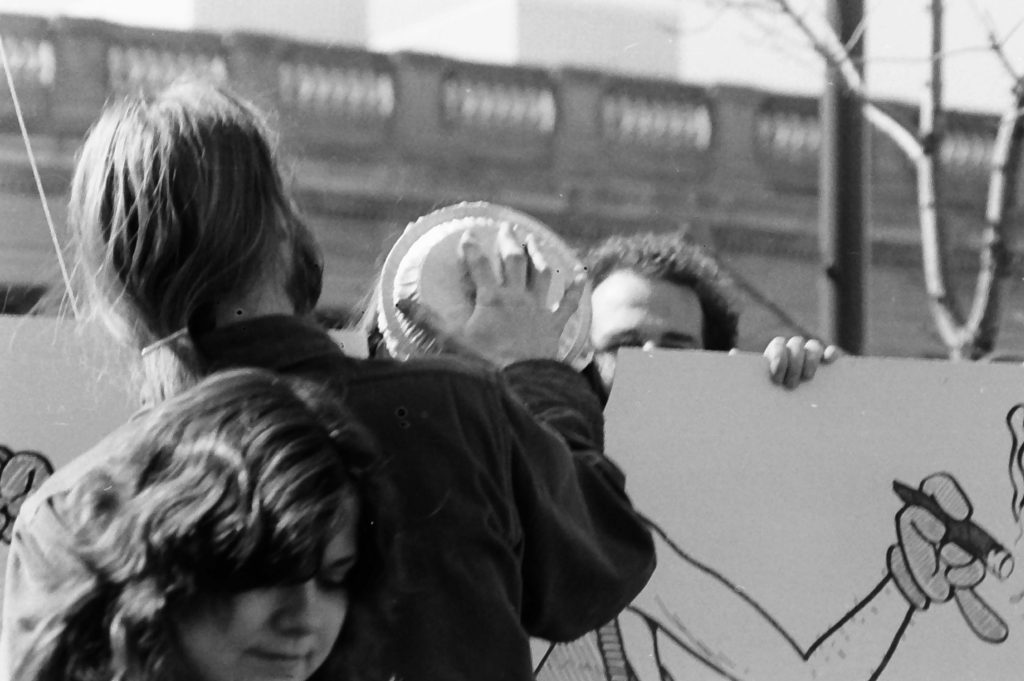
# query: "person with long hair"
194, 257
220, 535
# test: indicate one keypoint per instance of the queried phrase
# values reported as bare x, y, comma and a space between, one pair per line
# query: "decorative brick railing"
410, 108
488, 103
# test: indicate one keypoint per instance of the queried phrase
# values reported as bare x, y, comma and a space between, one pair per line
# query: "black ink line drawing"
1016, 465
608, 655
21, 473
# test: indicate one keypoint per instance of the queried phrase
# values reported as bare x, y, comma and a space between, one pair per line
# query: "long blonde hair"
177, 203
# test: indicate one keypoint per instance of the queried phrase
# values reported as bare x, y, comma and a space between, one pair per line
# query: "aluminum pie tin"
424, 265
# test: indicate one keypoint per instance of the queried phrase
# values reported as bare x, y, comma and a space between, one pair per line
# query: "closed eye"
336, 574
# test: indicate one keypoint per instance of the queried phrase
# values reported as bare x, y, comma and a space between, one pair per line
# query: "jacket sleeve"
586, 552
43, 576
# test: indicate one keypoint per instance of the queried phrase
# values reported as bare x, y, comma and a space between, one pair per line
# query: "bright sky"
718, 45
724, 45
174, 14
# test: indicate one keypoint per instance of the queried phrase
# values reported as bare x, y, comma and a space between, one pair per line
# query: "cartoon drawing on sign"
21, 473
1016, 466
1015, 422
692, 617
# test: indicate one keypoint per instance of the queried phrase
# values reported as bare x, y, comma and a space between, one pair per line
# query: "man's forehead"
628, 288
626, 300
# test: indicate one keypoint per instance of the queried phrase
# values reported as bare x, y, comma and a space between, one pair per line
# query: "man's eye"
626, 343
678, 344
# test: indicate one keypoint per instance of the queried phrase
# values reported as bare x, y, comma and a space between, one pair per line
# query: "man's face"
630, 310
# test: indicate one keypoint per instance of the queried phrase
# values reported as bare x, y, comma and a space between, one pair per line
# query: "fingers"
778, 359
513, 318
966, 577
573, 295
522, 264
981, 618
945, 490
538, 270
904, 581
814, 352
928, 568
792, 361
957, 557
919, 534
831, 354
797, 355
512, 256
485, 280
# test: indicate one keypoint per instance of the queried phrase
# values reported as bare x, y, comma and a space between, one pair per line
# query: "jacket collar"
277, 342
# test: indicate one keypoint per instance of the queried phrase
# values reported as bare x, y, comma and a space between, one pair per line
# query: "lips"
280, 656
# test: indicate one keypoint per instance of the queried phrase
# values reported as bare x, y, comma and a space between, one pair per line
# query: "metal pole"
843, 228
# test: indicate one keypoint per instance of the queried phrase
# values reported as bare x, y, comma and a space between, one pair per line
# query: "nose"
296, 612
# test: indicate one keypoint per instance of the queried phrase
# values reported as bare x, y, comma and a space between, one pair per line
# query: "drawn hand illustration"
942, 555
21, 473
693, 621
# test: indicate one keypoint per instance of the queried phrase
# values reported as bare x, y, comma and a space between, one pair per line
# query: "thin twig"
994, 43
829, 46
1013, 29
857, 34
780, 44
946, 54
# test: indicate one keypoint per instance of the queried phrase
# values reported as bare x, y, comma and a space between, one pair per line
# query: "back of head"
177, 203
672, 258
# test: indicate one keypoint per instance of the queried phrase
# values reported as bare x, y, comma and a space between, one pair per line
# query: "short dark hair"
671, 257
235, 484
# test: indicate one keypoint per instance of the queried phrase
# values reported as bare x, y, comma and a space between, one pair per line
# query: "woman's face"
275, 633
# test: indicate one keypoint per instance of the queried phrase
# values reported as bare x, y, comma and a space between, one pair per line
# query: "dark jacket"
511, 522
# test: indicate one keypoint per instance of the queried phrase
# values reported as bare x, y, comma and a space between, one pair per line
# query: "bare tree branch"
994, 43
1013, 29
857, 35
826, 43
781, 44
974, 335
946, 54
935, 253
994, 258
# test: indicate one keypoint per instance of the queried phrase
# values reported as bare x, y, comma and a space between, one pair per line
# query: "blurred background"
596, 116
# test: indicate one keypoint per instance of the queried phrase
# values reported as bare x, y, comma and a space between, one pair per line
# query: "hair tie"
166, 340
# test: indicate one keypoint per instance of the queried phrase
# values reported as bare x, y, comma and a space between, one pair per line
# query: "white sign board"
60, 393
785, 499
62, 389
784, 496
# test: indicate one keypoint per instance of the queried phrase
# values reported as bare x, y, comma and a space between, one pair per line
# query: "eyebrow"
678, 337
621, 338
